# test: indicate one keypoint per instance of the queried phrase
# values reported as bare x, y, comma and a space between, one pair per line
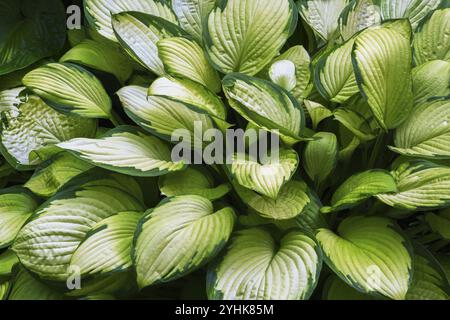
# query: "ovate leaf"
185, 58
360, 187
70, 88
268, 178
38, 126
193, 15
192, 181
16, 206
125, 150
358, 15
432, 39
426, 132
99, 12
422, 185
245, 35
171, 239
431, 79
320, 156
369, 255
265, 105
259, 267
382, 58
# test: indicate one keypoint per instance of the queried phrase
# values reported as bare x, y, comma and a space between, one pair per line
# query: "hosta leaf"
193, 15
126, 150
429, 282
16, 206
107, 247
245, 35
192, 181
190, 93
317, 112
360, 187
161, 116
52, 174
99, 12
116, 282
355, 122
257, 266
171, 239
268, 178
426, 132
139, 34
282, 73
422, 185
334, 76
369, 255
311, 218
382, 59
8, 260
322, 15
4, 289
292, 200
38, 126
432, 39
185, 58
101, 56
431, 79
27, 287
415, 10
265, 105
439, 224
70, 88
320, 156
30, 31
46, 244
336, 289
358, 15
301, 60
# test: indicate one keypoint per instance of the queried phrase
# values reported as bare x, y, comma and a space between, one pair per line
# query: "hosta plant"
353, 97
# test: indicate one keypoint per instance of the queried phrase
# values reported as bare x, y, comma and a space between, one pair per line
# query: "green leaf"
126, 150
101, 56
192, 181
116, 282
426, 132
190, 93
27, 287
355, 122
70, 88
369, 255
360, 187
52, 174
317, 112
292, 200
321, 156
258, 266
139, 33
185, 58
245, 35
170, 242
99, 12
414, 10
422, 185
301, 60
267, 178
382, 59
30, 31
439, 224
322, 15
265, 105
432, 40
107, 247
4, 289
162, 116
336, 289
193, 15
46, 244
358, 15
8, 260
33, 125
334, 76
16, 206
430, 80
429, 281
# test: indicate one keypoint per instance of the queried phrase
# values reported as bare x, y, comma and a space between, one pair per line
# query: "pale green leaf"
317, 112
358, 15
193, 15
431, 79
320, 156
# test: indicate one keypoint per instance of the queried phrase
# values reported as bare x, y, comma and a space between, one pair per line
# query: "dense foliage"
94, 206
